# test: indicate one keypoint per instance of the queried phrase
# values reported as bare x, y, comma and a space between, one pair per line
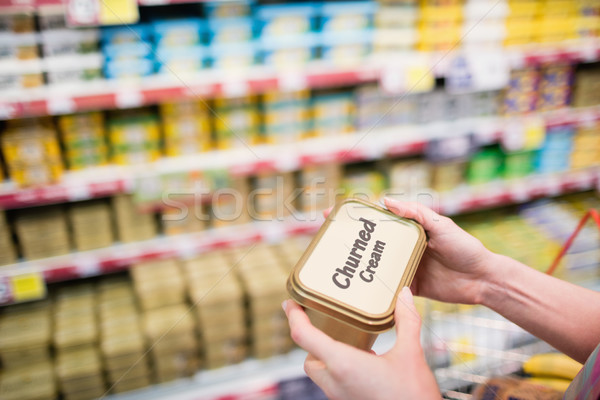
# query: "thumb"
408, 320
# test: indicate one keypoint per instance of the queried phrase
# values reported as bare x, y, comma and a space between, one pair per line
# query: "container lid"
357, 263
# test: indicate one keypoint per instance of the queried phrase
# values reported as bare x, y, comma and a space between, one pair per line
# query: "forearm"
564, 315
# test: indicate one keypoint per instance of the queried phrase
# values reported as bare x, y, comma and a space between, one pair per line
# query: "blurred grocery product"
32, 153
552, 365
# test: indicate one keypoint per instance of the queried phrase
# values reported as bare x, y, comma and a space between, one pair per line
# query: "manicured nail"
284, 305
406, 294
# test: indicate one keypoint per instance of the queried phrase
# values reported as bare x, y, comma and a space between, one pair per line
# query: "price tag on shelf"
416, 77
7, 110
235, 88
129, 98
60, 105
6, 295
292, 81
82, 12
87, 266
27, 287
79, 192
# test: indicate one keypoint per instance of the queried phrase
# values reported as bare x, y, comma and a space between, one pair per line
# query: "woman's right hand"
456, 266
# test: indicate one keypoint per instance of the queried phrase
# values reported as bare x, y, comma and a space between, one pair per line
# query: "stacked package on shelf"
484, 166
32, 153
513, 236
71, 56
587, 86
90, 224
127, 51
447, 175
521, 94
518, 164
586, 146
554, 89
25, 332
409, 177
273, 192
134, 137
555, 153
167, 322
395, 26
84, 141
131, 224
78, 363
347, 31
377, 109
42, 232
8, 254
439, 25
19, 59
285, 116
319, 183
179, 220
218, 306
121, 340
231, 33
484, 24
287, 34
521, 22
178, 45
263, 280
332, 113
363, 182
556, 21
186, 127
290, 250
587, 21
231, 207
236, 122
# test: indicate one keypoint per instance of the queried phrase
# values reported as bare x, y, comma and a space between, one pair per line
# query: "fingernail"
406, 294
284, 305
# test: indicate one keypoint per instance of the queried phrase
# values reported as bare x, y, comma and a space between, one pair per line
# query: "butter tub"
353, 270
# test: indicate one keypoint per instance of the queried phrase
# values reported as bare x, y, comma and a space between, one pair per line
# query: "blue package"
347, 15
128, 68
232, 56
125, 51
231, 30
125, 34
178, 32
285, 19
227, 9
175, 59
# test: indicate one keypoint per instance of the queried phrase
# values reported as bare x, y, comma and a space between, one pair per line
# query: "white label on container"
361, 258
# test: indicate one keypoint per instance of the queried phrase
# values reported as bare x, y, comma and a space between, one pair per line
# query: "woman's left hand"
347, 373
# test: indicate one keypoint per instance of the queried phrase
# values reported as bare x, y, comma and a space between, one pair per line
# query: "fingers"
424, 215
408, 321
308, 337
317, 371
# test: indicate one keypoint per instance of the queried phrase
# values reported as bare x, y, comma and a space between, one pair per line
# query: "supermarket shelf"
111, 94
121, 256
501, 193
365, 145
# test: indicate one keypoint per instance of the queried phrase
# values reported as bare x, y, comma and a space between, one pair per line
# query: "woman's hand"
456, 266
347, 373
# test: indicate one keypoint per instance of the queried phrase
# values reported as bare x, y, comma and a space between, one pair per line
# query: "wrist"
493, 285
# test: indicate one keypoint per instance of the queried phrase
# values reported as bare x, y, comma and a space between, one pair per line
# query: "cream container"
350, 275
